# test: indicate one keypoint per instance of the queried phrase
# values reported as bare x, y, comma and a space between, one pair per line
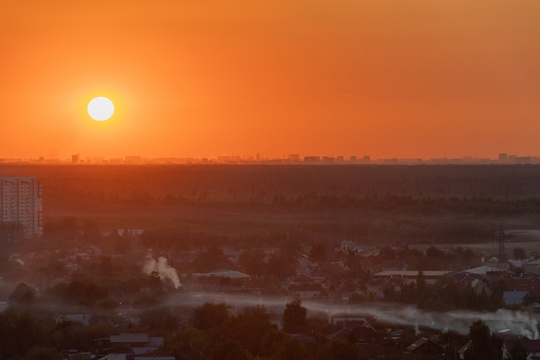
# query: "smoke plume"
161, 267
503, 320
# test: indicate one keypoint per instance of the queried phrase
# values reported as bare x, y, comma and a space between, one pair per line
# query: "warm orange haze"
207, 78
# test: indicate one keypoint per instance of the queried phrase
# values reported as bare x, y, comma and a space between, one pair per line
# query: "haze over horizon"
415, 79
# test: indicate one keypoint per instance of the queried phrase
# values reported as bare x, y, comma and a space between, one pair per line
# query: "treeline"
371, 204
231, 183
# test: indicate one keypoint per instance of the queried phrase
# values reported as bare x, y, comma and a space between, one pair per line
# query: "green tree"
253, 329
22, 295
211, 259
342, 350
294, 317
210, 316
159, 319
19, 332
292, 349
43, 353
190, 343
482, 345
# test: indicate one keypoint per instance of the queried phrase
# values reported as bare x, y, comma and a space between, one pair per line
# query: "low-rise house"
377, 287
231, 254
514, 298
357, 331
425, 346
532, 268
430, 277
83, 319
219, 275
305, 291
478, 285
463, 349
349, 246
394, 265
532, 347
142, 342
131, 356
530, 283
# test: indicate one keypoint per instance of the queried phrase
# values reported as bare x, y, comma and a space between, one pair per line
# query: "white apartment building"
20, 203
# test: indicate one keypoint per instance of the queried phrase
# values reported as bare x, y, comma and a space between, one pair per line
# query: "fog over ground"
459, 321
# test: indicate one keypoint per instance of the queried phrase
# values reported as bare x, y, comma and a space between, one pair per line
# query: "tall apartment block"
20, 203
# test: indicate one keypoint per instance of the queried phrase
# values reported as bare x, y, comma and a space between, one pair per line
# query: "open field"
529, 240
371, 204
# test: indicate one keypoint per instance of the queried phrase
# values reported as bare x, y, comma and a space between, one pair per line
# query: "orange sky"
198, 78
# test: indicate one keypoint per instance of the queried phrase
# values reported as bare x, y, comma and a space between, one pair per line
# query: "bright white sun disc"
100, 108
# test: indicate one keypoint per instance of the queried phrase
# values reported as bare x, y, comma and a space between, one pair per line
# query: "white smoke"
516, 322
164, 270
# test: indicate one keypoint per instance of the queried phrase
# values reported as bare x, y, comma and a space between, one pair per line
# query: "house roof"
424, 342
411, 273
348, 327
114, 357
129, 338
415, 345
305, 287
514, 297
482, 270
231, 274
465, 347
155, 341
144, 350
465, 275
532, 346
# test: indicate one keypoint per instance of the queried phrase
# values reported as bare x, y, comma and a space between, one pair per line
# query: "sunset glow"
204, 78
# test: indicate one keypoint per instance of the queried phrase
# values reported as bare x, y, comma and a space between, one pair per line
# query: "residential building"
20, 204
532, 347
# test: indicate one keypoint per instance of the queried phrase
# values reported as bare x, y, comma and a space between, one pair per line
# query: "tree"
43, 353
482, 345
210, 316
518, 351
294, 317
519, 253
20, 332
211, 259
190, 343
344, 351
318, 253
292, 349
10, 232
252, 328
420, 282
22, 295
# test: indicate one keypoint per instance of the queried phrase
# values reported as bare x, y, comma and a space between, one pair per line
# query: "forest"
372, 204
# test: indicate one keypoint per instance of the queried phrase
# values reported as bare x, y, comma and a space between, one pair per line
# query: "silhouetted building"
20, 204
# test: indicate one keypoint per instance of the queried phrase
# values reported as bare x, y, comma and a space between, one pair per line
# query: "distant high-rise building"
503, 157
75, 158
20, 204
294, 157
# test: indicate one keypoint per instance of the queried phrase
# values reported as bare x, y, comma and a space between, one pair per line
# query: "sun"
100, 108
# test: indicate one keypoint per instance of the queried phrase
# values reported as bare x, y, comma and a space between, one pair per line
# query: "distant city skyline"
202, 79
77, 159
